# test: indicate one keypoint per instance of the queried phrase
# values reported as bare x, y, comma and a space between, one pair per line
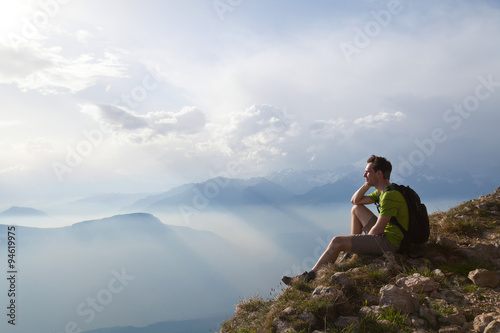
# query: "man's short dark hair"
382, 164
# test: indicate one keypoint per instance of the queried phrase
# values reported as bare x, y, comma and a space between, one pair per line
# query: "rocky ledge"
454, 287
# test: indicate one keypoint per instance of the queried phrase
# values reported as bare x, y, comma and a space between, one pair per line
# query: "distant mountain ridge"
302, 181
216, 192
284, 188
16, 211
281, 188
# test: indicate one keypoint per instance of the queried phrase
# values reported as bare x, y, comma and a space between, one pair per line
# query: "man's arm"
359, 198
380, 225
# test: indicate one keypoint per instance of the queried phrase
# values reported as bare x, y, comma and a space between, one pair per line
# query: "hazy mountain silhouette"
216, 192
286, 187
177, 272
16, 211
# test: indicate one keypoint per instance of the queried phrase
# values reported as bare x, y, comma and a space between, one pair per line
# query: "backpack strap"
391, 187
394, 220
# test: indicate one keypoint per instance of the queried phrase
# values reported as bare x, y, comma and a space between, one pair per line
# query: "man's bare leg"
338, 243
360, 216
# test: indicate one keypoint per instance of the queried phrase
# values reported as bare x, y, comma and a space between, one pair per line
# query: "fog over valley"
186, 254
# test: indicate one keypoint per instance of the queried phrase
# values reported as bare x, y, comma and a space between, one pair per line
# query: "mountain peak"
302, 181
131, 220
16, 211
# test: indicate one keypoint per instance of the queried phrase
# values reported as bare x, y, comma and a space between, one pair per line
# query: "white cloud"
327, 129
425, 60
116, 116
372, 121
149, 127
32, 67
341, 129
258, 119
83, 36
259, 132
255, 136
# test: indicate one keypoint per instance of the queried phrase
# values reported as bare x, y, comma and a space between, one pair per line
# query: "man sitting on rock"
380, 235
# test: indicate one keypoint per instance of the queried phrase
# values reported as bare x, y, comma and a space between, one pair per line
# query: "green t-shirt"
392, 203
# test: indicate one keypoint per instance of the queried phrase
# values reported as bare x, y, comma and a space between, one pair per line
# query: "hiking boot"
345, 257
306, 276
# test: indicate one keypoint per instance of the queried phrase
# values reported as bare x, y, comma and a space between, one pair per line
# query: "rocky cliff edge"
454, 287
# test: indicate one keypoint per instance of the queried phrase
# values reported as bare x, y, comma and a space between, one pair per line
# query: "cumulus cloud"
327, 129
259, 133
328, 137
83, 36
144, 128
260, 130
341, 128
262, 118
256, 136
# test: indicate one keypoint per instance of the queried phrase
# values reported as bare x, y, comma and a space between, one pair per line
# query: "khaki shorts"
371, 244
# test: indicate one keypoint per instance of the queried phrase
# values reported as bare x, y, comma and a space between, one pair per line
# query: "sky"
140, 96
